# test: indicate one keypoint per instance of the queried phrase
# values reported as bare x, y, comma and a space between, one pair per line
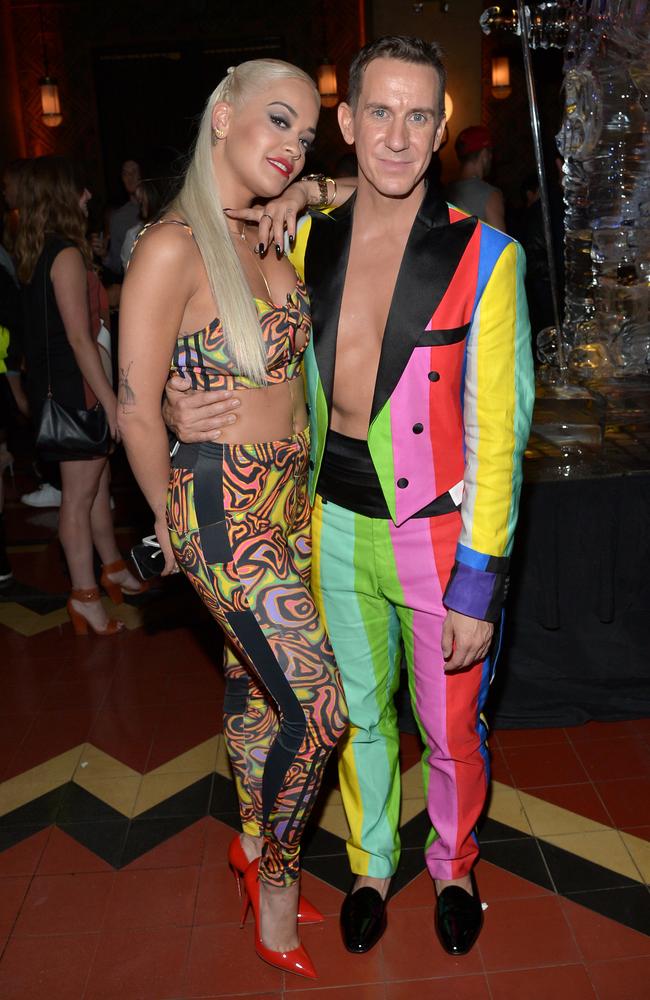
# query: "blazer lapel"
326, 261
433, 252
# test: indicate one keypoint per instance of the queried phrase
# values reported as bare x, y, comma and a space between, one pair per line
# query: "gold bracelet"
333, 198
324, 199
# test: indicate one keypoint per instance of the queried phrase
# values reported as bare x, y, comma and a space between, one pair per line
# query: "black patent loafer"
363, 919
459, 918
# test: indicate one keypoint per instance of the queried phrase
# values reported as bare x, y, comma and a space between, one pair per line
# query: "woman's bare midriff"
269, 413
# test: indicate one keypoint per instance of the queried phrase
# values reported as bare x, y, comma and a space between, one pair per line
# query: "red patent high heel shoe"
238, 863
297, 960
114, 589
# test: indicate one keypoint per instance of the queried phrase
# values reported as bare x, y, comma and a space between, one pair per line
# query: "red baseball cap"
473, 140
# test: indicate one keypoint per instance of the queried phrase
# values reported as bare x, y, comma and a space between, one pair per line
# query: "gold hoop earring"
217, 134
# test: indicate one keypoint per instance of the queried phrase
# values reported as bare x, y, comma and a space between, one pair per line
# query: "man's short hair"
406, 48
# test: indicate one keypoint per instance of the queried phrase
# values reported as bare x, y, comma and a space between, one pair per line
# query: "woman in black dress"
53, 260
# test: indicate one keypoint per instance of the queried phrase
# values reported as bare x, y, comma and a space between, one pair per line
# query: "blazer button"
402, 483
434, 376
417, 428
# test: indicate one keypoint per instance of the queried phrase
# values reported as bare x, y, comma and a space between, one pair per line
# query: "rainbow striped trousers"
379, 590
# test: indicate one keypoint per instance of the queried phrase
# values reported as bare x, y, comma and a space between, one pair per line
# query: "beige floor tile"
155, 788
547, 818
506, 807
604, 848
102, 765
333, 819
38, 780
640, 851
116, 791
200, 758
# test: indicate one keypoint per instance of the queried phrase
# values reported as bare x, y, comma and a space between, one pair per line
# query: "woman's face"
84, 198
268, 137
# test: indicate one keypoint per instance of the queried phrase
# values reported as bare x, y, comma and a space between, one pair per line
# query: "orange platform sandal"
116, 590
80, 623
238, 863
297, 960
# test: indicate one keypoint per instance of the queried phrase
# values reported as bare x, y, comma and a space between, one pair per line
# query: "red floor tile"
580, 798
612, 759
13, 730
411, 949
217, 900
198, 685
222, 961
495, 883
627, 800
184, 849
638, 831
139, 965
86, 692
126, 733
642, 727
12, 894
53, 733
601, 731
324, 897
624, 979
564, 982
551, 764
335, 966
182, 727
156, 897
367, 992
68, 903
499, 767
458, 988
47, 968
217, 837
418, 893
23, 858
600, 938
529, 737
525, 933
64, 855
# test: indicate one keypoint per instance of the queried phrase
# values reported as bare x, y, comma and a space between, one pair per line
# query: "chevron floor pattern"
117, 804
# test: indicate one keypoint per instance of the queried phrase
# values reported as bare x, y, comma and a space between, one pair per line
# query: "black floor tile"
491, 829
629, 906
318, 842
224, 797
79, 806
333, 869
145, 834
520, 857
415, 832
193, 801
12, 835
105, 838
573, 874
411, 864
39, 812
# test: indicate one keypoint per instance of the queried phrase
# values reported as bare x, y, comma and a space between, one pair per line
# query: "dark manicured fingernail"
260, 248
278, 249
291, 240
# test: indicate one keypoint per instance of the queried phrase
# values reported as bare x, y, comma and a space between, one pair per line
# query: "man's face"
396, 125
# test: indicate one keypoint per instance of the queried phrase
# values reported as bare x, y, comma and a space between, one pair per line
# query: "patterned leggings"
239, 522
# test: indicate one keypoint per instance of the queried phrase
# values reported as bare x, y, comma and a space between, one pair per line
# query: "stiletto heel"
80, 623
238, 862
297, 960
116, 590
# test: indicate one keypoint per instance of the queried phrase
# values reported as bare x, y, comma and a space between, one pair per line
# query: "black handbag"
65, 434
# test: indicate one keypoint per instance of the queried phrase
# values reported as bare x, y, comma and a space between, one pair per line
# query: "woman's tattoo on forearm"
125, 394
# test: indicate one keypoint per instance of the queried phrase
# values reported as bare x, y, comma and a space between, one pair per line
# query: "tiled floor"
116, 807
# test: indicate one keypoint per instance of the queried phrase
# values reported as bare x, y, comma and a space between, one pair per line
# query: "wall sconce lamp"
327, 87
501, 77
50, 103
449, 106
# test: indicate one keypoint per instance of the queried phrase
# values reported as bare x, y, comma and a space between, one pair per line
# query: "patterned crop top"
205, 358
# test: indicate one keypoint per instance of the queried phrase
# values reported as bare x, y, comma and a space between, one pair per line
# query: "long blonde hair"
199, 204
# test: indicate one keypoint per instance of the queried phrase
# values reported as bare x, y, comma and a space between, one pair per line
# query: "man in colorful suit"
420, 389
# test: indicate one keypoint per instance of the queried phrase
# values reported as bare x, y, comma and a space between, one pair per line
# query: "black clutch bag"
148, 557
71, 435
64, 434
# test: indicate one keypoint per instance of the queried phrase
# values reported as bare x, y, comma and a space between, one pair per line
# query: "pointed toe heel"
297, 960
238, 863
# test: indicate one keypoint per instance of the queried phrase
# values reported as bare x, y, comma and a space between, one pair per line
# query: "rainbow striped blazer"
454, 391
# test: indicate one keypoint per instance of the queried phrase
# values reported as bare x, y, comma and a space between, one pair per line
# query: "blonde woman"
201, 298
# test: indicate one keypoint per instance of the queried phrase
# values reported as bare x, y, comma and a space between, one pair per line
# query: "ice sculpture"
605, 140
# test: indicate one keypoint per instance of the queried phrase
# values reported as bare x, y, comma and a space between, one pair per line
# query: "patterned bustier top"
204, 356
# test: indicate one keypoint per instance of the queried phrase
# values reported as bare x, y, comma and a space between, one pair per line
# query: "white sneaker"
44, 496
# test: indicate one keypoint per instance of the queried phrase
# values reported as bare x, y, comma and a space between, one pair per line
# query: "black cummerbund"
348, 478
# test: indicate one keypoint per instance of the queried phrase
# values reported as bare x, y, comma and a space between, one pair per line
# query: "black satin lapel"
326, 261
430, 261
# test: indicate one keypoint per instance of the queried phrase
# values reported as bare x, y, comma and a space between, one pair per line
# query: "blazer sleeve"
498, 398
